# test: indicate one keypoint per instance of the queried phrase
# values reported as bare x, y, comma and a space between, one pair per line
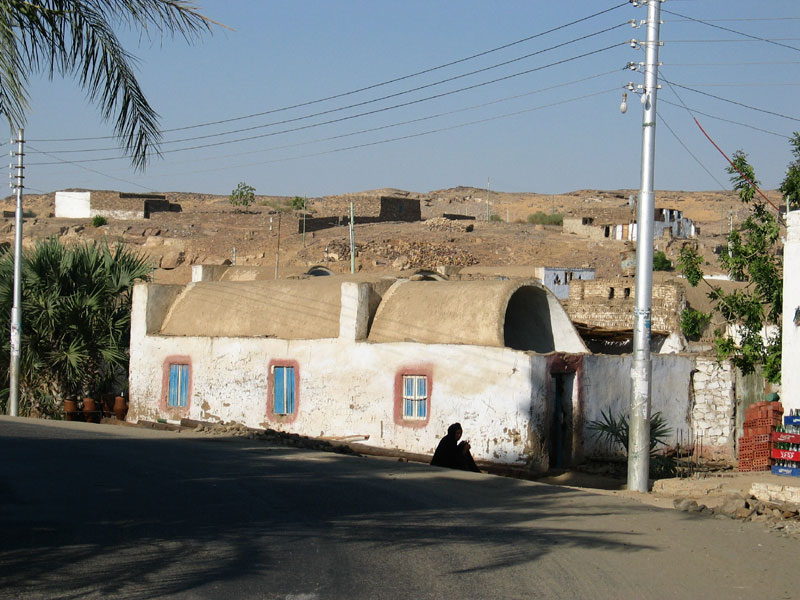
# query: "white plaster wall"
347, 388
607, 388
73, 205
790, 373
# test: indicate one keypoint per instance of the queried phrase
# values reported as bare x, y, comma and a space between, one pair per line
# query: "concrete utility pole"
278, 248
488, 187
641, 371
352, 242
304, 221
16, 306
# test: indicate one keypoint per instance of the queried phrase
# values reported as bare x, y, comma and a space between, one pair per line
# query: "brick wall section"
713, 408
608, 303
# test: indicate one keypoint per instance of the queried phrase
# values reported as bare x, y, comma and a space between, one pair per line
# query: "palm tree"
75, 37
77, 311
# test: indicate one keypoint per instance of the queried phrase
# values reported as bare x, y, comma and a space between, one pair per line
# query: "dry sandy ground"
209, 229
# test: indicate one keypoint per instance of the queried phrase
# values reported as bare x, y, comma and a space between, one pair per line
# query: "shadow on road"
96, 514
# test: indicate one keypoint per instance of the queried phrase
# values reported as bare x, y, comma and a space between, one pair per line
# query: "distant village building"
558, 279
621, 225
112, 205
335, 210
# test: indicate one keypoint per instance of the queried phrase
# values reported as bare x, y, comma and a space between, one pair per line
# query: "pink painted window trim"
175, 412
424, 370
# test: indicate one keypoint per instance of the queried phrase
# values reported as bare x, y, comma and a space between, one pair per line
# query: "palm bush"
76, 303
616, 431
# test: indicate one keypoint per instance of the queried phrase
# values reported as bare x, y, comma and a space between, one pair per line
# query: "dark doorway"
561, 420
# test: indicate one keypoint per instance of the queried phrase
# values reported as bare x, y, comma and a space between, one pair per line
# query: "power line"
693, 111
769, 112
369, 87
747, 35
76, 163
365, 102
401, 123
401, 138
685, 147
379, 110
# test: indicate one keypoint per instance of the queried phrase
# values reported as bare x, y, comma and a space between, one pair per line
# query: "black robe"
452, 455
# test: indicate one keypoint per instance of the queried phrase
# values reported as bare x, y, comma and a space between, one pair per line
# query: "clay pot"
120, 408
90, 412
71, 412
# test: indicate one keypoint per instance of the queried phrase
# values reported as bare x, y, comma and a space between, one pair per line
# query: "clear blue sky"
283, 53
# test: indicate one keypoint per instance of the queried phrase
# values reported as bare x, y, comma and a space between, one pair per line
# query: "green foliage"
690, 263
694, 322
790, 188
752, 255
615, 431
76, 304
540, 218
77, 38
298, 203
495, 218
99, 221
243, 195
661, 262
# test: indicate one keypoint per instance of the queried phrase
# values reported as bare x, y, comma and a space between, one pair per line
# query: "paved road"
99, 511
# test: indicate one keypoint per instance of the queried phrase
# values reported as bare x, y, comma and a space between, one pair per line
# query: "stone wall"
608, 304
713, 411
378, 208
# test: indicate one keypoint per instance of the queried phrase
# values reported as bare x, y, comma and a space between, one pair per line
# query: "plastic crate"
792, 438
786, 455
787, 471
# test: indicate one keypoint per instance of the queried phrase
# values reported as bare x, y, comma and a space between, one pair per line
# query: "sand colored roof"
514, 314
287, 309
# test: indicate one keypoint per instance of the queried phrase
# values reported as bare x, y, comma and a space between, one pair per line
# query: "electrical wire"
366, 102
365, 88
685, 147
397, 124
728, 29
769, 112
76, 163
399, 138
384, 109
694, 111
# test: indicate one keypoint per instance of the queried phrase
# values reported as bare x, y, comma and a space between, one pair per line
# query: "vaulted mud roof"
513, 314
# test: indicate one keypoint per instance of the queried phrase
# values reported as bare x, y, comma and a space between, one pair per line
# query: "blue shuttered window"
415, 396
178, 385
283, 390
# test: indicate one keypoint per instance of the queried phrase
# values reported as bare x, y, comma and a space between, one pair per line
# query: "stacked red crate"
755, 447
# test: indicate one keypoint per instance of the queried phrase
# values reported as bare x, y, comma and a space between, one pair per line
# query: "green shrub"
540, 218
99, 221
298, 203
661, 262
694, 322
496, 218
243, 195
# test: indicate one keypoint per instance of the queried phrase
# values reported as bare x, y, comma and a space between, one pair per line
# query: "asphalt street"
91, 511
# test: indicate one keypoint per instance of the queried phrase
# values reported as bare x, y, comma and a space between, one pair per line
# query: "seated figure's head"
455, 431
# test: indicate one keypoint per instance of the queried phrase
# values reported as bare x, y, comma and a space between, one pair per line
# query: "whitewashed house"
394, 362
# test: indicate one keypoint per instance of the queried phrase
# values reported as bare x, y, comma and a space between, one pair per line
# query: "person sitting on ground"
452, 454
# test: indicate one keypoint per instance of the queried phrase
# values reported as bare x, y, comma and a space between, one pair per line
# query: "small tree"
298, 203
661, 262
749, 332
243, 195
